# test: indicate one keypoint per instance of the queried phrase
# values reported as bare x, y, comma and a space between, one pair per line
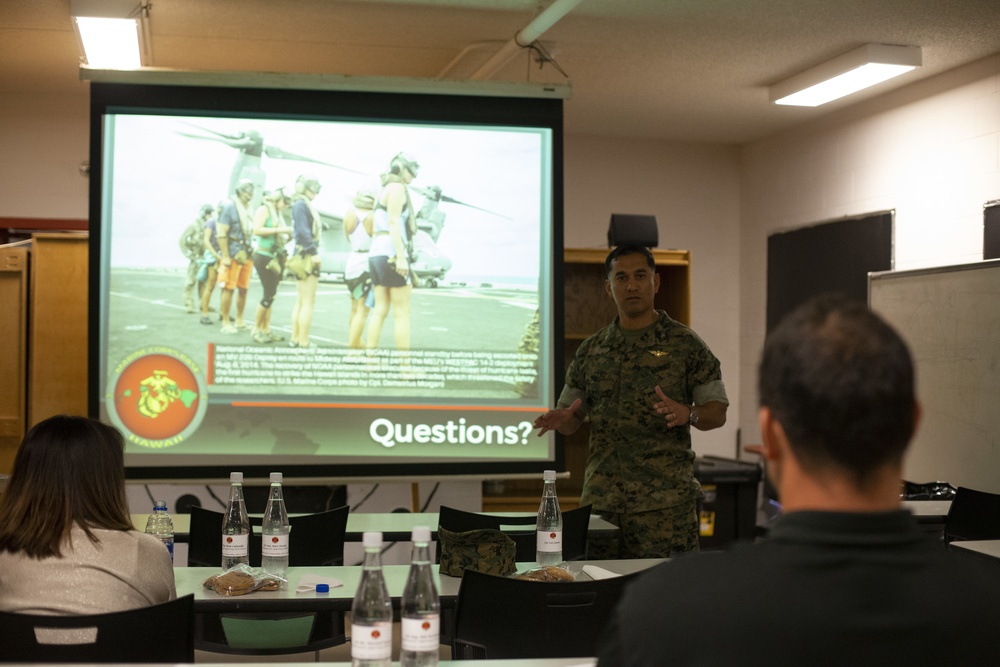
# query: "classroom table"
191, 580
513, 662
395, 526
989, 549
930, 515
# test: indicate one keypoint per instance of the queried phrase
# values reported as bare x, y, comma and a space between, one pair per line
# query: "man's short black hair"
623, 250
840, 381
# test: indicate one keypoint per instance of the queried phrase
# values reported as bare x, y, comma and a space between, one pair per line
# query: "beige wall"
930, 151
693, 189
43, 140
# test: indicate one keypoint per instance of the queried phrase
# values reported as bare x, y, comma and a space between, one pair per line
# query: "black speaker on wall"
991, 230
629, 229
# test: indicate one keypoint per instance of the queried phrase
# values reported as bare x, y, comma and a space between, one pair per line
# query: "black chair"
160, 633
315, 539
973, 515
576, 524
499, 618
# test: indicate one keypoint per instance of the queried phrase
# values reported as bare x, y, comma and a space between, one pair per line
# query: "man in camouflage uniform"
193, 246
643, 381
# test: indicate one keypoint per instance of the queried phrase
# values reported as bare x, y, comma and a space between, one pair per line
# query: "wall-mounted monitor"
195, 402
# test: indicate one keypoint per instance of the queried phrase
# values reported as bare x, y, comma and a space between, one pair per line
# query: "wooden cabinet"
44, 290
587, 308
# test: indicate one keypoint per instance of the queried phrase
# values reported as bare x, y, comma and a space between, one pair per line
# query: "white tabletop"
984, 547
928, 509
191, 579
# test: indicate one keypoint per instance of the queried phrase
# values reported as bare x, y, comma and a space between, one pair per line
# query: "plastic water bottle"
421, 607
161, 525
371, 613
235, 526
549, 525
275, 530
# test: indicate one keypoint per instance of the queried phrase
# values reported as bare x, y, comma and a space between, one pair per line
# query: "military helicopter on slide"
429, 264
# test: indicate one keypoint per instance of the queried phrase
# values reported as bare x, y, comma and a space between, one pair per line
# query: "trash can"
728, 509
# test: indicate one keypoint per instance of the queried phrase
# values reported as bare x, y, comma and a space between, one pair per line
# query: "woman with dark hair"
67, 545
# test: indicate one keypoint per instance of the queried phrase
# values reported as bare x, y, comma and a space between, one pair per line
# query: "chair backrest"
576, 524
160, 633
973, 515
315, 539
506, 618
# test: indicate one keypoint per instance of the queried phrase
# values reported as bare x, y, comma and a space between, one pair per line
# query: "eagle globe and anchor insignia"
158, 398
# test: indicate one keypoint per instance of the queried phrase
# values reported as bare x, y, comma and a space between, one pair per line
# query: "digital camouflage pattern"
654, 534
636, 463
529, 345
485, 550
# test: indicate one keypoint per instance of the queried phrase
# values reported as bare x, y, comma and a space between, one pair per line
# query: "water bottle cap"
372, 540
160, 504
275, 477
236, 477
322, 588
549, 475
421, 534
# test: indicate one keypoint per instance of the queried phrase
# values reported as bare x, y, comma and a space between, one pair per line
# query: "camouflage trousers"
655, 534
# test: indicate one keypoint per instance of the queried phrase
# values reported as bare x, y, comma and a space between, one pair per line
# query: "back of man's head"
840, 382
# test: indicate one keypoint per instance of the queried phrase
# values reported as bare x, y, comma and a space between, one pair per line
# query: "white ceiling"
694, 70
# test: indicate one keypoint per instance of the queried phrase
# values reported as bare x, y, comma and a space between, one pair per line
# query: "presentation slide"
478, 367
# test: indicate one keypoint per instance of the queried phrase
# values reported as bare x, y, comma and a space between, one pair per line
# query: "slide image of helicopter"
429, 262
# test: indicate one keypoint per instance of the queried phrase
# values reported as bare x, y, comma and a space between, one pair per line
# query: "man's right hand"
564, 420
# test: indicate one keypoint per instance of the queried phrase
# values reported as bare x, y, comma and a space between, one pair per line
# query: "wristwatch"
693, 416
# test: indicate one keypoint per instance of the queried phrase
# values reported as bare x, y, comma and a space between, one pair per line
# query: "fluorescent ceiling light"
109, 32
853, 71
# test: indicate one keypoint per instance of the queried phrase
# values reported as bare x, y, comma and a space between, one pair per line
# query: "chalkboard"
991, 230
950, 317
826, 257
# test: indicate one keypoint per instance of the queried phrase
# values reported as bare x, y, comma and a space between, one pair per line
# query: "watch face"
693, 417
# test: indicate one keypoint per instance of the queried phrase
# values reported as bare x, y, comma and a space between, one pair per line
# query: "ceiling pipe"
524, 37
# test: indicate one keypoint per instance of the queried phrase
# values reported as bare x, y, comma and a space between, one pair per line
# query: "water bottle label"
549, 541
422, 633
275, 545
235, 546
371, 641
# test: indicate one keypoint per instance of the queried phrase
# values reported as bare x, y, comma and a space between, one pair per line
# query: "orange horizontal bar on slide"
375, 406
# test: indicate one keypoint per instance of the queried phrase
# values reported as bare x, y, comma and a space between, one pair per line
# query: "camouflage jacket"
636, 463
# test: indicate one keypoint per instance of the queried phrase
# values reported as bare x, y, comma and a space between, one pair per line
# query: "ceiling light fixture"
855, 70
111, 31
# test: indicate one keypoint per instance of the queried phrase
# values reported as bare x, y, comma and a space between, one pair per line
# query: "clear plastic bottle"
371, 613
421, 607
275, 530
549, 525
161, 525
235, 526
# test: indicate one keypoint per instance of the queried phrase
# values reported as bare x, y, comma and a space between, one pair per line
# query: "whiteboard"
950, 317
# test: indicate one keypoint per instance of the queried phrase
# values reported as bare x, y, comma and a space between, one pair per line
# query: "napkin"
308, 583
595, 572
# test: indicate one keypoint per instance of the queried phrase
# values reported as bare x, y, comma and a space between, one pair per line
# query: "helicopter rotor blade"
240, 141
452, 200
218, 136
279, 154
